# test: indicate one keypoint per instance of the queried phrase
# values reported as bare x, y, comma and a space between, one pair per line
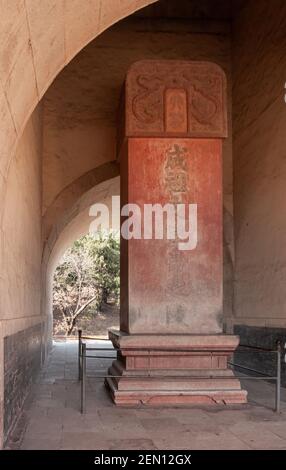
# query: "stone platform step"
174, 397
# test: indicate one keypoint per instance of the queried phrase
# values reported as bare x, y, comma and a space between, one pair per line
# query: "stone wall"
22, 361
259, 142
262, 337
21, 252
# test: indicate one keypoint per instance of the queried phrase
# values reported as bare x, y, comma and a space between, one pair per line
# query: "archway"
257, 160
41, 52
67, 182
31, 57
76, 223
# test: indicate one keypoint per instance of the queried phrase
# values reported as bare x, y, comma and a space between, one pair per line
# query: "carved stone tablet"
182, 98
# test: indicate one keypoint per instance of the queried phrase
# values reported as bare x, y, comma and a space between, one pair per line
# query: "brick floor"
51, 418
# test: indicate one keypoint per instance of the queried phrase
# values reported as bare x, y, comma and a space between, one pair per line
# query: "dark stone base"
264, 338
22, 361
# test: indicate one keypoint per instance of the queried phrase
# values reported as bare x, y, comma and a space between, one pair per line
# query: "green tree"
87, 276
105, 252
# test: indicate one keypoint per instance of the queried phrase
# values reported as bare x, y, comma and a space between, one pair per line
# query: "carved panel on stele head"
175, 98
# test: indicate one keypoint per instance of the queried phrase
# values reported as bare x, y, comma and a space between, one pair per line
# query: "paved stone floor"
51, 418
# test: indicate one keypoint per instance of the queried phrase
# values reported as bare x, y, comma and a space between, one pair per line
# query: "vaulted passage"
202, 122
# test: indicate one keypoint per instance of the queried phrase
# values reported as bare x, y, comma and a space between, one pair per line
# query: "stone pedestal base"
173, 370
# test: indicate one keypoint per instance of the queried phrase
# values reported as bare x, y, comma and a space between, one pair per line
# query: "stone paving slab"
51, 417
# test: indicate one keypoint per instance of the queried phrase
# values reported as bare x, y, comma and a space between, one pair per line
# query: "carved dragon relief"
146, 105
205, 90
205, 96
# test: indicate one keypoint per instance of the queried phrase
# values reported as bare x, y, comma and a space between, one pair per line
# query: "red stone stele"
171, 349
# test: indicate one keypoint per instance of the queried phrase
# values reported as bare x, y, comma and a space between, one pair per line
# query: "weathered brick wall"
22, 360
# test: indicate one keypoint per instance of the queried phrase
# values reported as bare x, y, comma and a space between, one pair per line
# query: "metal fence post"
278, 381
83, 378
79, 353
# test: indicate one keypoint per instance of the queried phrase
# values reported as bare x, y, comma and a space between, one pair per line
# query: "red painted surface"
173, 370
168, 290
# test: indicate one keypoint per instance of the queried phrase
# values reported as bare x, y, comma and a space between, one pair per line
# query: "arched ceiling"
38, 38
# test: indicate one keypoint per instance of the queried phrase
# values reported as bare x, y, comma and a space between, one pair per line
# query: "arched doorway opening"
84, 256
86, 286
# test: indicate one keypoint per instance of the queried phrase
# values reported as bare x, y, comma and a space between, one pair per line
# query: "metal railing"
80, 345
263, 376
83, 356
